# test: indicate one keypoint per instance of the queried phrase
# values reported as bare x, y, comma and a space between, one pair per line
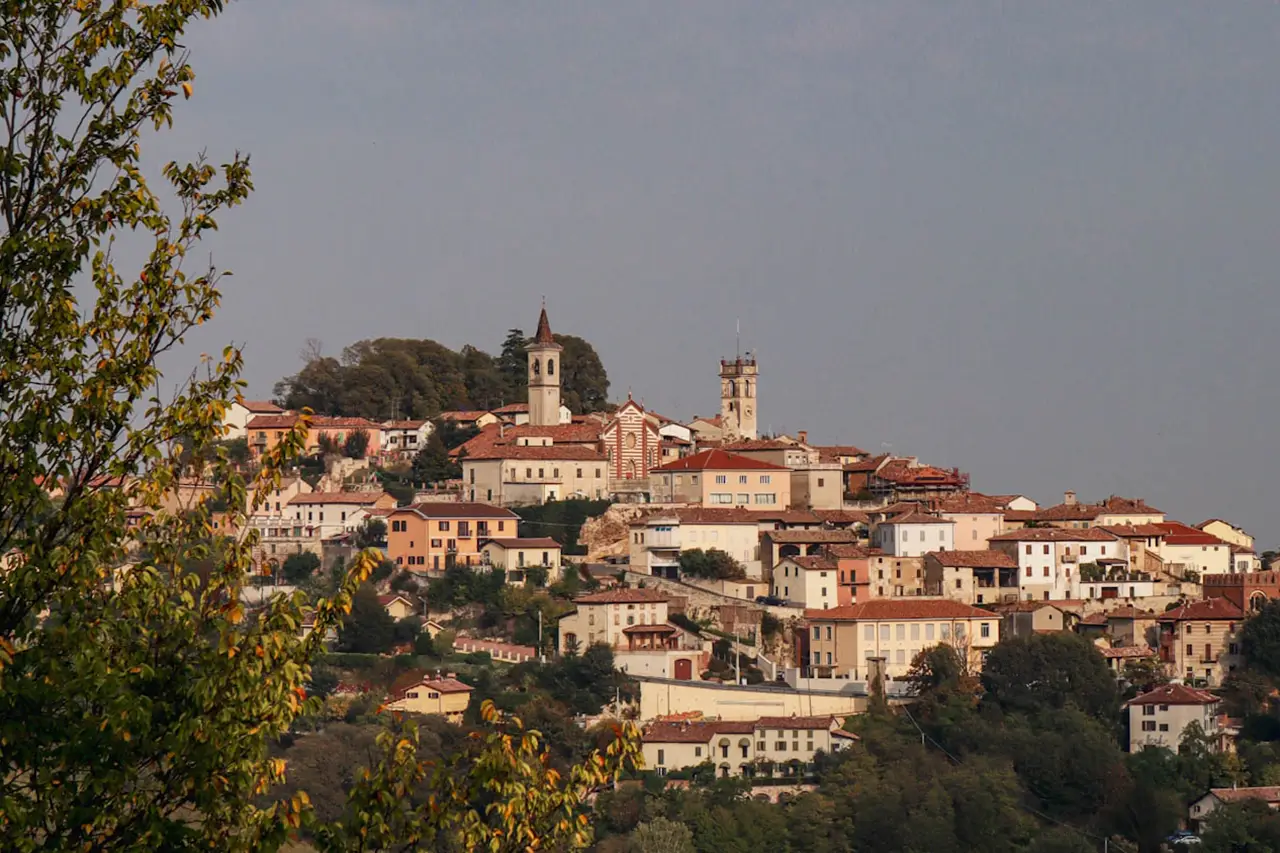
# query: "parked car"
769, 600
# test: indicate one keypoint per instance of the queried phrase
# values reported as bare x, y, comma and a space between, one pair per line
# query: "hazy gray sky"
1036, 241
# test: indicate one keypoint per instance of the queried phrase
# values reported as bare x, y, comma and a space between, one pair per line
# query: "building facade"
716, 478
1161, 716
430, 537
544, 375
738, 386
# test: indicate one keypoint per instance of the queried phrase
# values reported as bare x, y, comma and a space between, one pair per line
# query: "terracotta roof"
1054, 534
815, 561
1174, 694
537, 542
815, 722
586, 433
1207, 609
1202, 525
787, 516
1270, 794
1020, 514
680, 732
714, 420
901, 608
1126, 652
1094, 619
867, 466
552, 453
842, 516
904, 472
898, 508
918, 518
384, 600
703, 515
543, 336
457, 509
971, 503
1069, 512
419, 678
718, 460
830, 452
272, 422
1240, 549
1177, 533
760, 444
463, 415
446, 685
1134, 530
511, 409
1128, 611
810, 537
357, 498
1128, 506
651, 629
623, 596
975, 559
403, 424
326, 422
263, 407
849, 551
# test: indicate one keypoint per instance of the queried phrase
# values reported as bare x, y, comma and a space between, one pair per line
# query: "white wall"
915, 540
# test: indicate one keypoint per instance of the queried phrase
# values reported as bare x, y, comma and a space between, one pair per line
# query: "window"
1046, 549
1084, 549
528, 473
744, 498
1148, 725
662, 755
817, 658
444, 526
884, 633
985, 630
817, 632
742, 479
869, 632
828, 632
1164, 727
766, 479
766, 498
721, 479
721, 498
541, 475
915, 630
928, 631
1046, 571
555, 472
821, 482
902, 631
1028, 549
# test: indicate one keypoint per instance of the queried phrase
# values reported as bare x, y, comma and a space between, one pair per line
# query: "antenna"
737, 340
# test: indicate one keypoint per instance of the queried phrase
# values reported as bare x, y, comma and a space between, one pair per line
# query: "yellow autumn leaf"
186, 90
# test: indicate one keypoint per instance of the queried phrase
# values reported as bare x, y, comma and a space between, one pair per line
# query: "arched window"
733, 388
746, 389
1257, 600
551, 367
537, 367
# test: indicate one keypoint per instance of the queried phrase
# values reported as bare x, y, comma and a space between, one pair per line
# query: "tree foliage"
300, 566
1260, 638
369, 629
1049, 672
421, 378
356, 444
712, 564
432, 464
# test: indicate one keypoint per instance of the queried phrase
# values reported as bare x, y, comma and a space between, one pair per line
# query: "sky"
1037, 241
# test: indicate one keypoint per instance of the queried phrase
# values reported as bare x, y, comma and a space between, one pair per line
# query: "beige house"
240, 412
478, 418
633, 623
1024, 618
809, 582
977, 518
534, 471
894, 577
974, 577
1227, 532
770, 746
816, 482
418, 693
516, 556
1198, 641
1112, 511
716, 478
1160, 716
842, 642
1205, 806
397, 606
656, 540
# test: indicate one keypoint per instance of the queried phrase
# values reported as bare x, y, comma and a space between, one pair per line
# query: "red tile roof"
814, 561
867, 466
1054, 534
403, 424
272, 422
969, 503
263, 407
551, 453
1205, 610
1177, 533
842, 516
703, 515
849, 551
418, 678
718, 460
831, 452
457, 509
901, 608
975, 559
327, 422
918, 518
1127, 652
904, 472
810, 537
357, 498
1270, 794
680, 732
650, 629
1174, 694
1129, 531
1020, 514
623, 596
511, 409
815, 722
463, 416
537, 542
1088, 512
759, 444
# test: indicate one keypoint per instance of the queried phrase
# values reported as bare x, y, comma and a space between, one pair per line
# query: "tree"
712, 563
1050, 671
356, 444
327, 445
662, 836
299, 567
368, 629
432, 464
372, 533
1260, 639
1245, 826
512, 364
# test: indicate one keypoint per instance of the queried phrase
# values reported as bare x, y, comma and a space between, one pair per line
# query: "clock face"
746, 411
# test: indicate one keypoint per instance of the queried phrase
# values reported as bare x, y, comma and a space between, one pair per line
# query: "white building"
1049, 558
811, 582
781, 747
403, 439
326, 514
239, 414
1161, 716
914, 534
633, 623
657, 540
1194, 549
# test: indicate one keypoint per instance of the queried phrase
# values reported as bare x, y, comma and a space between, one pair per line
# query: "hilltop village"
742, 596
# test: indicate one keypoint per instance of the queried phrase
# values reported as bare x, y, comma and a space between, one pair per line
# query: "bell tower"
544, 375
738, 397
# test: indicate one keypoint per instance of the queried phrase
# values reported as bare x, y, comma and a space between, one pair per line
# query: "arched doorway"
684, 669
1257, 600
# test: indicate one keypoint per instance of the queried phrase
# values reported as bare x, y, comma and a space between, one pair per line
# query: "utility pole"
542, 658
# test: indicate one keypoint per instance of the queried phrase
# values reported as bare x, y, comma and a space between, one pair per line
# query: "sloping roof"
850, 551
463, 415
701, 515
1174, 694
918, 518
419, 678
810, 537
543, 336
1134, 530
970, 503
537, 542
384, 600
760, 444
815, 561
867, 466
814, 722
831, 452
1270, 794
1177, 533
975, 559
842, 516
1206, 609
511, 409
533, 452
1054, 534
285, 421
326, 422
1128, 652
623, 596
719, 460
901, 608
680, 732
356, 498
905, 472
262, 407
457, 509
1088, 512
403, 424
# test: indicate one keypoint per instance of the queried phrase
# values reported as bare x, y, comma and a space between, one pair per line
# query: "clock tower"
738, 397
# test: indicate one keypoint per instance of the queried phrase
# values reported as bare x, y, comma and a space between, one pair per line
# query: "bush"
299, 567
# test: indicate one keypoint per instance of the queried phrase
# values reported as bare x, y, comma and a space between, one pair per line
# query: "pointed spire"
543, 335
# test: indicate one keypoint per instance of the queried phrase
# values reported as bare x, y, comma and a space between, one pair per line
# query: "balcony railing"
1069, 558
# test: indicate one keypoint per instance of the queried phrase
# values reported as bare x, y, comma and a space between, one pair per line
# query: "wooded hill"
405, 378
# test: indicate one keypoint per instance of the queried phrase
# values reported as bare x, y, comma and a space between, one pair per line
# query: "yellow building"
418, 693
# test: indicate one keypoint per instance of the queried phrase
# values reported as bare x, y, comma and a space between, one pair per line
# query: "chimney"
802, 436
1069, 498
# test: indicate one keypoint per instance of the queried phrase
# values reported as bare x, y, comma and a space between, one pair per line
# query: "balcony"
1070, 558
